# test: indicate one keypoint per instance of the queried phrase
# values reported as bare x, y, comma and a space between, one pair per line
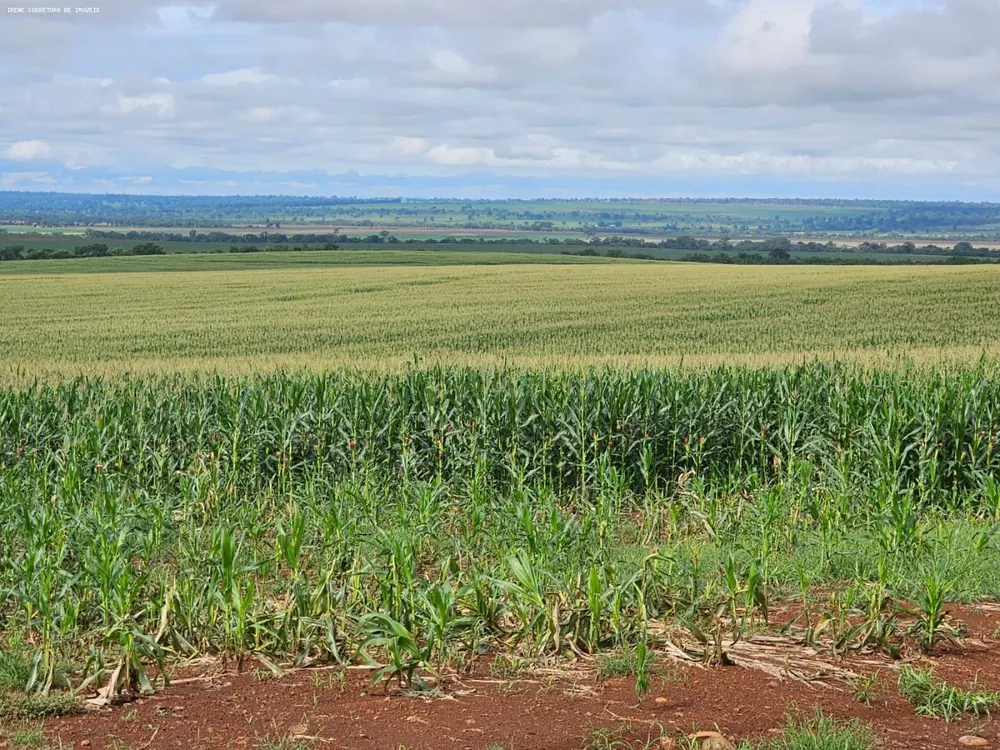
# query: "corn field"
533, 316
417, 520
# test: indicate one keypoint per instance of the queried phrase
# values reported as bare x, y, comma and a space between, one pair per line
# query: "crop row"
422, 518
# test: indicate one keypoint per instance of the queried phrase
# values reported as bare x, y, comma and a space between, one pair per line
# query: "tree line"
96, 250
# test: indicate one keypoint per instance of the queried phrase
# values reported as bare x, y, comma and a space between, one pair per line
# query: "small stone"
661, 701
85, 743
970, 740
470, 722
298, 730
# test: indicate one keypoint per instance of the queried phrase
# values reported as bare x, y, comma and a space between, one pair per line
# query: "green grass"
306, 260
623, 736
16, 669
628, 314
26, 738
15, 664
21, 706
931, 696
819, 733
622, 663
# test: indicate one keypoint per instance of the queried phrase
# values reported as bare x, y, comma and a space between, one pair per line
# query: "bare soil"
548, 709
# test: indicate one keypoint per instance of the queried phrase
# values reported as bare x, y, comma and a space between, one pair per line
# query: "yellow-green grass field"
563, 315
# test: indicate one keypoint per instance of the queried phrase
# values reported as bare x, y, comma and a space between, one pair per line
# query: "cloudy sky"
839, 98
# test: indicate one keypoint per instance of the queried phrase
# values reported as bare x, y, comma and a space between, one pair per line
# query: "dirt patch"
549, 709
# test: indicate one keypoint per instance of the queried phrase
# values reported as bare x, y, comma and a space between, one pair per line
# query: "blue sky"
506, 98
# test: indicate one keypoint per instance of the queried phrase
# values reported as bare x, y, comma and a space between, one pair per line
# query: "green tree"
11, 252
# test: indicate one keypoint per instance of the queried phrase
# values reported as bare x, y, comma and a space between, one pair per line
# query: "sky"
505, 98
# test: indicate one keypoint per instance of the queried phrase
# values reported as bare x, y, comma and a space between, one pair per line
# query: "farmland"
378, 317
63, 245
353, 504
736, 217
631, 521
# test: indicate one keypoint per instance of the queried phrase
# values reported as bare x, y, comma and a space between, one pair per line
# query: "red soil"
550, 711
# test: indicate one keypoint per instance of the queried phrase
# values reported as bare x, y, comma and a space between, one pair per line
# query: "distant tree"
779, 254
97, 250
12, 252
148, 248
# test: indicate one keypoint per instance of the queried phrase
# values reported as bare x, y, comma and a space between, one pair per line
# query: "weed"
930, 696
617, 663
864, 688
623, 736
26, 738
507, 666
17, 706
818, 733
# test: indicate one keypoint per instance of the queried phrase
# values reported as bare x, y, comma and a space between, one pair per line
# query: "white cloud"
11, 179
351, 84
238, 77
406, 146
454, 68
879, 92
27, 150
141, 180
766, 36
162, 103
463, 13
263, 114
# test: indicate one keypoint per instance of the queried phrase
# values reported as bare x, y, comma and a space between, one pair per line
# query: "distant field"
60, 322
658, 217
420, 252
303, 260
